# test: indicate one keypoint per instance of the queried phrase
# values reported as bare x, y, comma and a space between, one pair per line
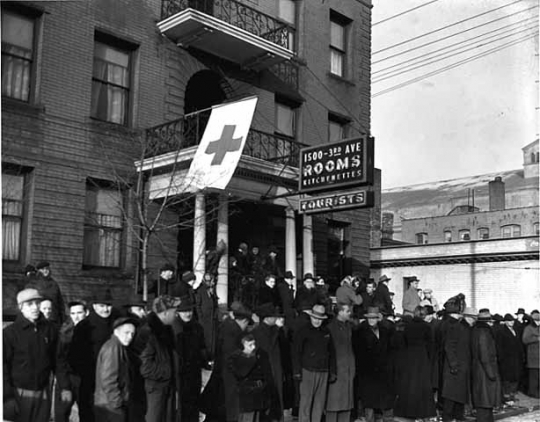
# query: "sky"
468, 120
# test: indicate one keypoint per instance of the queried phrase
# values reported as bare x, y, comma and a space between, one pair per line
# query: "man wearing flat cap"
48, 288
154, 346
29, 353
314, 365
113, 373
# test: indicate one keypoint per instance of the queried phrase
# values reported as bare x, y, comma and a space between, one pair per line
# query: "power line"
447, 26
403, 13
453, 35
445, 55
449, 67
452, 45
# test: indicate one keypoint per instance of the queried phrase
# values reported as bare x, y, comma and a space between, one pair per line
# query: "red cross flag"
221, 146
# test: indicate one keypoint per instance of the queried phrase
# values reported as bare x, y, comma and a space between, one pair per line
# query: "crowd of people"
291, 351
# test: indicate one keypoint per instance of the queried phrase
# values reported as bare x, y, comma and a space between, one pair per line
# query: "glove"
332, 378
66, 396
297, 377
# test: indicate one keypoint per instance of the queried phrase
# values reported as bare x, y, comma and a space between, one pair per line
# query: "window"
421, 238
285, 120
110, 83
17, 55
482, 233
447, 236
337, 128
13, 187
338, 252
464, 235
102, 226
536, 229
512, 230
337, 48
287, 13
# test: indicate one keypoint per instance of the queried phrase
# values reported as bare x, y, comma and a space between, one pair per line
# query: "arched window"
482, 233
533, 157
465, 235
536, 229
447, 236
421, 238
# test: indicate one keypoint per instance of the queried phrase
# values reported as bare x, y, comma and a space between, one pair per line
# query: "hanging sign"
341, 201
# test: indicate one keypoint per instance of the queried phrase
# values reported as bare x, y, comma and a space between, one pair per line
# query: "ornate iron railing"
239, 15
188, 131
287, 71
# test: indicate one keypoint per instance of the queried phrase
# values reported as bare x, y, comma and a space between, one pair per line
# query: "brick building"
476, 235
91, 88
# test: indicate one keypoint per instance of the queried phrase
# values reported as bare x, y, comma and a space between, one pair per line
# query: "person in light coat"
346, 293
411, 299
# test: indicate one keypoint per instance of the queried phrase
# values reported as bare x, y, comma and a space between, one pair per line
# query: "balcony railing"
188, 131
237, 14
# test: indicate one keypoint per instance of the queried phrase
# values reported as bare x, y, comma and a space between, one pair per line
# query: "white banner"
221, 146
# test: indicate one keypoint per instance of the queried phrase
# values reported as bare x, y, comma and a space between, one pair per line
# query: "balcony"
228, 29
188, 131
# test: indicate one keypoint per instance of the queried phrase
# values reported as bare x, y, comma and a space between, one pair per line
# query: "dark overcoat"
531, 337
456, 371
341, 393
268, 339
413, 372
286, 297
206, 305
486, 384
509, 354
382, 298
373, 367
48, 288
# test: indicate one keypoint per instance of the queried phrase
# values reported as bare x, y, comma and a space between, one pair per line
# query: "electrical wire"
458, 43
452, 35
449, 67
399, 72
403, 13
449, 26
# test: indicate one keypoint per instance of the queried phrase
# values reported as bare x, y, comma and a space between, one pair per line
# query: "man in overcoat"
510, 358
340, 398
382, 296
267, 337
456, 363
374, 366
49, 288
286, 289
206, 307
486, 383
531, 339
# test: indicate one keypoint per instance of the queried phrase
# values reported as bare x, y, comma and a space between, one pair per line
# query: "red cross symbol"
226, 143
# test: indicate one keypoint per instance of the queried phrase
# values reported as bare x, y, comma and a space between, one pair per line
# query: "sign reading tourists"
341, 201
221, 146
348, 163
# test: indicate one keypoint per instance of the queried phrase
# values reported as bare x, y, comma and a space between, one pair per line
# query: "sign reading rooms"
337, 165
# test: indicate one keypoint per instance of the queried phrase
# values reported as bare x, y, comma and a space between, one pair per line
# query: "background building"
91, 88
477, 235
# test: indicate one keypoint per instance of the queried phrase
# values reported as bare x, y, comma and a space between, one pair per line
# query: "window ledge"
22, 106
115, 127
341, 79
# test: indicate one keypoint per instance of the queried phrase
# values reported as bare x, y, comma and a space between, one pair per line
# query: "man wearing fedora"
113, 373
340, 399
192, 358
382, 296
154, 345
374, 366
531, 339
88, 337
29, 353
267, 336
411, 299
509, 358
286, 290
486, 383
314, 365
